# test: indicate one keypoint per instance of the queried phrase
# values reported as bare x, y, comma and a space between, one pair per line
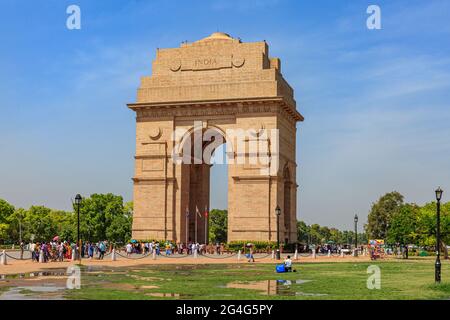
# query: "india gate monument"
203, 94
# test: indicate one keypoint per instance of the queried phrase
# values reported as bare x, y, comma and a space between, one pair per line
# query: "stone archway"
232, 87
196, 180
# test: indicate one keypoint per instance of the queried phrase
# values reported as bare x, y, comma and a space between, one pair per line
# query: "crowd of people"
53, 251
170, 248
324, 248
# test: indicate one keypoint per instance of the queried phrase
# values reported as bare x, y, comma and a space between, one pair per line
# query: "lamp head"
278, 210
439, 192
78, 199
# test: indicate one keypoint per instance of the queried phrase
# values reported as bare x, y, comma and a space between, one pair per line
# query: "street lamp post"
20, 235
78, 203
278, 213
356, 234
437, 266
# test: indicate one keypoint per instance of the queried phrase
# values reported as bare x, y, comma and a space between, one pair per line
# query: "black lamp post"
437, 266
278, 213
78, 203
356, 234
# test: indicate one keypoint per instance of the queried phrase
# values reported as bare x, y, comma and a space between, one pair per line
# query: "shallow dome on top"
217, 36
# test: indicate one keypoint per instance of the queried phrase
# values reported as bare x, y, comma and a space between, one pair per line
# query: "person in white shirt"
129, 249
288, 264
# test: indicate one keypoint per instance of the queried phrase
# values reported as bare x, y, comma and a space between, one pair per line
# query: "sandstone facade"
221, 83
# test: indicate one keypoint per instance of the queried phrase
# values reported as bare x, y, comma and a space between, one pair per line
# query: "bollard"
239, 255
342, 254
273, 254
314, 253
113, 255
296, 254
329, 253
154, 255
195, 253
3, 259
41, 256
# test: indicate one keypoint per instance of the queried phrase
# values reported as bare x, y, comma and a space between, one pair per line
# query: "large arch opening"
218, 220
203, 173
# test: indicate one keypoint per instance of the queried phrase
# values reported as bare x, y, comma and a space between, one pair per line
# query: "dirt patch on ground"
148, 287
137, 277
120, 286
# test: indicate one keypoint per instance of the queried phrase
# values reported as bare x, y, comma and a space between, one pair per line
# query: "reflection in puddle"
273, 287
58, 273
45, 292
164, 295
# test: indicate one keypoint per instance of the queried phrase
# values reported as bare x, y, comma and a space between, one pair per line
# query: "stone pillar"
3, 258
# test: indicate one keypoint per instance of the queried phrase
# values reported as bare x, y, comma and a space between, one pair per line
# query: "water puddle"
42, 292
29, 275
273, 287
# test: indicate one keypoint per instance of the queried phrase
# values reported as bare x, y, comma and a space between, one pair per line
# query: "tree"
335, 236
120, 228
302, 232
218, 225
381, 213
38, 222
403, 225
16, 224
6, 210
426, 226
98, 213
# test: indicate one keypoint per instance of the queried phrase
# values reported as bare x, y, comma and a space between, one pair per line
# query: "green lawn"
413, 279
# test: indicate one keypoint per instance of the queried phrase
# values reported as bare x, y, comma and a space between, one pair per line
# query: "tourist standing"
129, 249
288, 264
101, 249
91, 250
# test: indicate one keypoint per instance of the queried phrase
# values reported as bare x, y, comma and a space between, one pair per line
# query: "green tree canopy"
403, 225
218, 224
381, 214
104, 216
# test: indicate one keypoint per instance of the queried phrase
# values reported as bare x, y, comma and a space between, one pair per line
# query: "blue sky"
376, 102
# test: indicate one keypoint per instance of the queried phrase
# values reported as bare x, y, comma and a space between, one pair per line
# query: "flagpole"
196, 226
206, 225
187, 226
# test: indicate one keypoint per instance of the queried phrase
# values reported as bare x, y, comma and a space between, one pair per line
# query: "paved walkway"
24, 266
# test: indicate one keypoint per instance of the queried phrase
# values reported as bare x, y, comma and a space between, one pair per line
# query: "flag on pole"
198, 212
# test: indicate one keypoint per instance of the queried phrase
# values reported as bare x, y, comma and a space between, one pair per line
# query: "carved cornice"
240, 107
153, 180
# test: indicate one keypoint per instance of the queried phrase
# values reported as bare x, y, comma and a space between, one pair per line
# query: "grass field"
400, 279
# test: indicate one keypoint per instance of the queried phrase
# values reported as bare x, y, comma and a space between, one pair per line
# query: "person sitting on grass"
288, 264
